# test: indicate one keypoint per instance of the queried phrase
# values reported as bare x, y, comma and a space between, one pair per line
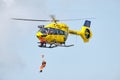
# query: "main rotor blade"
31, 20
76, 19
53, 19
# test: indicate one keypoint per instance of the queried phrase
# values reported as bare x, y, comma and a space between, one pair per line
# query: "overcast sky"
97, 60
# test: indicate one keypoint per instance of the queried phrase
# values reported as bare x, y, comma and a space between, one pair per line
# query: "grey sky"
96, 60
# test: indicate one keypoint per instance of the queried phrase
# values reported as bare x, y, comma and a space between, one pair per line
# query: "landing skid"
47, 46
55, 45
66, 45
63, 45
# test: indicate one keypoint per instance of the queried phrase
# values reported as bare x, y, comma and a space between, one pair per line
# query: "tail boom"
85, 32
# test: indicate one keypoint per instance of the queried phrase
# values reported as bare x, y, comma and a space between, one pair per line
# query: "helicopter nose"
38, 34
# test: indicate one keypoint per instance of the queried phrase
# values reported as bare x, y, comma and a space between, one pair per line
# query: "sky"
20, 56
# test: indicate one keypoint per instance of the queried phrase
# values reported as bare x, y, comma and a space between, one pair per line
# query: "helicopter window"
60, 32
52, 31
44, 30
55, 31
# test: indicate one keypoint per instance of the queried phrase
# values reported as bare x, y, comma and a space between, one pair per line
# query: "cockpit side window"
60, 32
52, 31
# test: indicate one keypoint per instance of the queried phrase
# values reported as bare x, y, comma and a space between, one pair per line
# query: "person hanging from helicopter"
42, 42
43, 64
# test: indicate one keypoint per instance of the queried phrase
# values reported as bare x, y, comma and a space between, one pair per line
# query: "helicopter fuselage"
53, 33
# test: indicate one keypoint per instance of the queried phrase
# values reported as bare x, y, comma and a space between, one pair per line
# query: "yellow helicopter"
55, 34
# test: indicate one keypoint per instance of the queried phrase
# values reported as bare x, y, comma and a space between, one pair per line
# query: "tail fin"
85, 32
87, 23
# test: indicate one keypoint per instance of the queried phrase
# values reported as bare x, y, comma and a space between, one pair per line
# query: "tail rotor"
85, 32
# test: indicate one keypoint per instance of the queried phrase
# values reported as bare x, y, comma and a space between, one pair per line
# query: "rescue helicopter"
55, 34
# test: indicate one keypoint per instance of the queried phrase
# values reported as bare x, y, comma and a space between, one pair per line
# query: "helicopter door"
52, 34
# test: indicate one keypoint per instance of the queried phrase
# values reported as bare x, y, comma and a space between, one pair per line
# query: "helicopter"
55, 34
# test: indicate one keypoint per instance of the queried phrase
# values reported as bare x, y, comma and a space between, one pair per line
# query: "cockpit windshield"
43, 30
